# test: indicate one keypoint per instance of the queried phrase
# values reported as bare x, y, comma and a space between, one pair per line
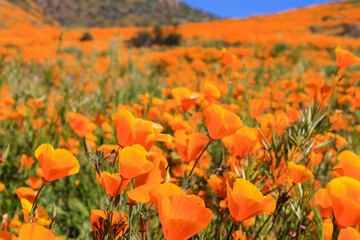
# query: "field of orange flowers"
250, 133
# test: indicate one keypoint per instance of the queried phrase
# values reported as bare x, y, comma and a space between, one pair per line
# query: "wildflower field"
246, 129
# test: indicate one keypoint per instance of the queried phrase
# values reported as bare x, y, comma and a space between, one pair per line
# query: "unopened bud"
4, 153
86, 146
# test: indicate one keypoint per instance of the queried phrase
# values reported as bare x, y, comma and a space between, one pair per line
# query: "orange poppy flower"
26, 192
221, 122
182, 217
184, 98
345, 58
328, 229
189, 146
350, 164
26, 161
133, 162
345, 198
119, 224
246, 201
145, 182
218, 184
2, 187
35, 182
113, 183
129, 130
57, 163
244, 141
256, 107
299, 173
323, 202
31, 231
81, 125
165, 190
348, 234
4, 235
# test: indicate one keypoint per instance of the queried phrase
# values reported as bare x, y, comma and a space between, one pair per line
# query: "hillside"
116, 13
12, 15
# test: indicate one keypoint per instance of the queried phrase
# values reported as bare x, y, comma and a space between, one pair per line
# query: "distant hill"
114, 13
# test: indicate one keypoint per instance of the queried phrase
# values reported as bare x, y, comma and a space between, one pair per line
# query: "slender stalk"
229, 233
197, 160
35, 201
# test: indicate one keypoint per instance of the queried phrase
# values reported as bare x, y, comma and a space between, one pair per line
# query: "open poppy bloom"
147, 181
246, 201
119, 224
4, 235
348, 234
184, 98
133, 162
129, 130
350, 164
221, 122
323, 202
183, 216
299, 173
244, 141
31, 231
218, 184
57, 163
27, 193
345, 198
113, 183
345, 58
189, 146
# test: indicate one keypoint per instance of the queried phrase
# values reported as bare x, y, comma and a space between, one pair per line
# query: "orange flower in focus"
350, 164
26, 161
323, 202
345, 198
119, 224
146, 182
244, 141
31, 231
129, 130
113, 183
26, 192
183, 216
189, 146
299, 173
221, 122
133, 162
246, 201
345, 58
57, 163
348, 234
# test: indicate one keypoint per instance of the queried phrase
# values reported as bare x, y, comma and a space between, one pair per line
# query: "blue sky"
244, 8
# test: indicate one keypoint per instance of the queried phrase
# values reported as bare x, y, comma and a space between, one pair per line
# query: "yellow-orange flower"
221, 122
246, 201
57, 163
345, 198
133, 162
